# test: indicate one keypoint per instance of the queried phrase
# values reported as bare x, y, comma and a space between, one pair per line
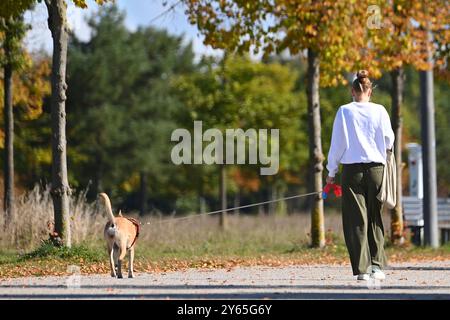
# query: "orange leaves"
246, 180
310, 30
82, 3
403, 38
332, 255
101, 2
31, 86
332, 29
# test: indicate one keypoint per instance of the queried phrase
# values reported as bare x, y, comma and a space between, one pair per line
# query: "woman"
361, 135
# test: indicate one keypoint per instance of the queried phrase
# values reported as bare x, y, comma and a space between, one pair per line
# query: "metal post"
415, 168
429, 158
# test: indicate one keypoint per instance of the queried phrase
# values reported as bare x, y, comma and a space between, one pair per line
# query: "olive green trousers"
361, 215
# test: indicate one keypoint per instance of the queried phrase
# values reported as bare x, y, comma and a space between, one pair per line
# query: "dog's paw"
113, 275
130, 275
120, 276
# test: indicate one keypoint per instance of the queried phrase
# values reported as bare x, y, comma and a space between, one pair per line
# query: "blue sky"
138, 12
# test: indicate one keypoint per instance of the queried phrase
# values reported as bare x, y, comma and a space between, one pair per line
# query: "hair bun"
362, 82
362, 74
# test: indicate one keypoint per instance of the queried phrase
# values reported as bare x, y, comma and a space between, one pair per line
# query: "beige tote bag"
388, 190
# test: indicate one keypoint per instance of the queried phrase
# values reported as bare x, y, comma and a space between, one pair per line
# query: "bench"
413, 218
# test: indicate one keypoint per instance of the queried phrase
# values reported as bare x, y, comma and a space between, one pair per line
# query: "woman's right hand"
330, 180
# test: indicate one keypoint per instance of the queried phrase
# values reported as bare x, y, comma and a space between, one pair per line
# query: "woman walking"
361, 135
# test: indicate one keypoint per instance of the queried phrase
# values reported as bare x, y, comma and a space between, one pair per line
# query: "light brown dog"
120, 234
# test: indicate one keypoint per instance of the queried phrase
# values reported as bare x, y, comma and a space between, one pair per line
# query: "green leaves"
240, 93
120, 108
14, 8
333, 29
12, 32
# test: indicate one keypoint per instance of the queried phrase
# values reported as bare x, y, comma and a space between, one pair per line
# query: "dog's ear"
120, 213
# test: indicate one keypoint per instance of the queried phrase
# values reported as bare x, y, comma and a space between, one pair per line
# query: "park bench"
413, 218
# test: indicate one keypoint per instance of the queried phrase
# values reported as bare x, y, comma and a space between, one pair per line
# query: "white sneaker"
377, 274
363, 276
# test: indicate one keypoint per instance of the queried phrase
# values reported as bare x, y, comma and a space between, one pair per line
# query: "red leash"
332, 186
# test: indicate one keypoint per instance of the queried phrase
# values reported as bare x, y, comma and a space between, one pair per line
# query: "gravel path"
422, 280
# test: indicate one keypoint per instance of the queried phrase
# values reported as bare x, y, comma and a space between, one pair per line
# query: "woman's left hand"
330, 180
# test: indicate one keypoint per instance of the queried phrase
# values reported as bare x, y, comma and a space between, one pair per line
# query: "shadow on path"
115, 286
236, 295
418, 268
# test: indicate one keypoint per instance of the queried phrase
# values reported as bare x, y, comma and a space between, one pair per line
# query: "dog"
120, 235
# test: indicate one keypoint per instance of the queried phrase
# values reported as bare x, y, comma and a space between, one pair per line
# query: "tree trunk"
398, 80
315, 150
8, 200
223, 197
201, 193
202, 204
272, 196
427, 110
57, 22
281, 206
237, 202
143, 193
98, 175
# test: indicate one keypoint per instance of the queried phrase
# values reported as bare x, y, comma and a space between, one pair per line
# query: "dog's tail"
108, 207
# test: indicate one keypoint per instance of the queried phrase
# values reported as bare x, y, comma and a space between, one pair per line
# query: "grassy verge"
92, 258
193, 243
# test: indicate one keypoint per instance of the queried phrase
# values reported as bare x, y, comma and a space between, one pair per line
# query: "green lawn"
263, 240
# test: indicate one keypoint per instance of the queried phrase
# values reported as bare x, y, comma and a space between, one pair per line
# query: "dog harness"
137, 225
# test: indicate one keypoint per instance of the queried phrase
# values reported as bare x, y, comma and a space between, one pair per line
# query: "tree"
60, 185
122, 114
32, 123
405, 43
57, 23
32, 154
329, 32
253, 95
13, 29
205, 98
430, 214
393, 54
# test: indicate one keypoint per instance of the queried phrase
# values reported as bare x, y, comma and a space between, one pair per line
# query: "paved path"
424, 280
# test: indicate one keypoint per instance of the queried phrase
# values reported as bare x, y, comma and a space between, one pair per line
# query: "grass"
222, 250
176, 244
48, 250
92, 258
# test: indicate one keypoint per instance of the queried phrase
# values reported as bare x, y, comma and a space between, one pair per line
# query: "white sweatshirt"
361, 133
